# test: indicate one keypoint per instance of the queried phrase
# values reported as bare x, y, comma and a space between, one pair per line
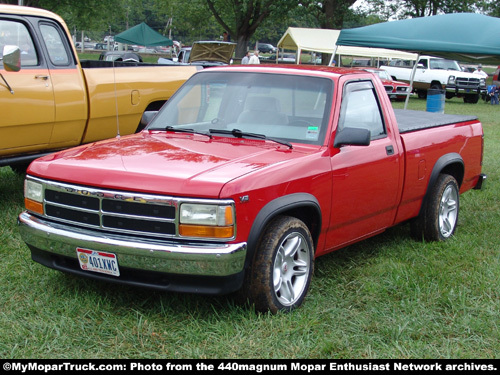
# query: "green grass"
386, 297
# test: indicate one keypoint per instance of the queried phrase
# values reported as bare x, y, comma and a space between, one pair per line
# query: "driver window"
15, 33
360, 109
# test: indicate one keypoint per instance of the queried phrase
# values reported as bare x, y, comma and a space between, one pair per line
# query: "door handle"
389, 150
41, 76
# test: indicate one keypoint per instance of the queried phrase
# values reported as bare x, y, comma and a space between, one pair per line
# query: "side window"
58, 54
360, 109
424, 63
16, 33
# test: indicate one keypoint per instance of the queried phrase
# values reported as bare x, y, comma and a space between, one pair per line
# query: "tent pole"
411, 80
333, 55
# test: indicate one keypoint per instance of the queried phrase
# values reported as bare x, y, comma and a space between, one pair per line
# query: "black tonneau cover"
409, 121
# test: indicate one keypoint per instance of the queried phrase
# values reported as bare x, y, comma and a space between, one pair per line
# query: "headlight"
206, 220
451, 80
33, 196
482, 82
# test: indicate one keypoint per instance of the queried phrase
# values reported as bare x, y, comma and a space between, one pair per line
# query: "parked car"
120, 56
396, 90
282, 58
101, 46
266, 48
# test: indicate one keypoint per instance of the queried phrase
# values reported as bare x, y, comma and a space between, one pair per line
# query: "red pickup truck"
246, 176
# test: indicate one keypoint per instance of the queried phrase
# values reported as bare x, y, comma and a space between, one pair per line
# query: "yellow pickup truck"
49, 100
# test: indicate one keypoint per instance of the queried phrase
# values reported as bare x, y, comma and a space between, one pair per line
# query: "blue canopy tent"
467, 37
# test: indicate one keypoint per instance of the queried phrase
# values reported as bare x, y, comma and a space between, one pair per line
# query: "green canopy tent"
143, 35
467, 37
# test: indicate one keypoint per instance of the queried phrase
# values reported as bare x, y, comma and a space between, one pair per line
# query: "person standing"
245, 58
480, 72
255, 58
494, 95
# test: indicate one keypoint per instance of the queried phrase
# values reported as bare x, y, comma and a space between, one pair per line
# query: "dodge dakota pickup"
244, 177
50, 100
438, 73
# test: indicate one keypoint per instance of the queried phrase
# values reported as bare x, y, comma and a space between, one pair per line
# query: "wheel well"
436, 85
309, 216
302, 206
456, 170
451, 164
155, 106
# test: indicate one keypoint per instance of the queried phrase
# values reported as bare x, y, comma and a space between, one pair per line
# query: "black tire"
283, 266
439, 217
471, 98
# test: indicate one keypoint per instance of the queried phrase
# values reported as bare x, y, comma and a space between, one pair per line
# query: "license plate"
98, 261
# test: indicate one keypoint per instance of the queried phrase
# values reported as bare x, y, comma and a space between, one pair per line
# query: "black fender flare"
449, 164
284, 204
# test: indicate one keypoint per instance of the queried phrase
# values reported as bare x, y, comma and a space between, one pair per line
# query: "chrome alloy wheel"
291, 268
448, 211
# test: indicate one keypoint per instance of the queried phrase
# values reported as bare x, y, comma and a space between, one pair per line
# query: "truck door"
27, 115
70, 93
366, 179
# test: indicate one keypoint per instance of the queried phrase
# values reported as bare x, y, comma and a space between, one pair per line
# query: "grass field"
387, 297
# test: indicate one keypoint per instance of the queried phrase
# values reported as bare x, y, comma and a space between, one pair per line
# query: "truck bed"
409, 121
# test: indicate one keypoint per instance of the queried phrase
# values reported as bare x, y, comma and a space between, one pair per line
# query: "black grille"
72, 215
99, 209
472, 83
141, 209
74, 200
156, 227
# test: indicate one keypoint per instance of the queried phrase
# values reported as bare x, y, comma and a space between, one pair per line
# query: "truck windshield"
444, 64
291, 108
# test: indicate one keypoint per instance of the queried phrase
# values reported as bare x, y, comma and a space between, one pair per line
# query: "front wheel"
471, 98
438, 220
283, 266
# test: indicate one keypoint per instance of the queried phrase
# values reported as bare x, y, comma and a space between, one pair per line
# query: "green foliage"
385, 297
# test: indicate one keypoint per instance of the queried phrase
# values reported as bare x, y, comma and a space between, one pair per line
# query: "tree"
422, 8
241, 18
81, 15
330, 13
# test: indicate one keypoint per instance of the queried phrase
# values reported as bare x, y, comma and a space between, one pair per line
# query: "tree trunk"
241, 46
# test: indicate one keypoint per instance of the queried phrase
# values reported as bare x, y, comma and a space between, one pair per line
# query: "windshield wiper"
239, 134
184, 130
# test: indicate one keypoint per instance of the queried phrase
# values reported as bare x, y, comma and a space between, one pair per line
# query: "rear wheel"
438, 219
283, 266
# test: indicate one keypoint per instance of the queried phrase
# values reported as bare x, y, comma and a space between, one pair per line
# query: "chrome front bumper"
170, 257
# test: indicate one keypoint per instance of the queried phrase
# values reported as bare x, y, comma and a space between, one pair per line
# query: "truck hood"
209, 51
163, 163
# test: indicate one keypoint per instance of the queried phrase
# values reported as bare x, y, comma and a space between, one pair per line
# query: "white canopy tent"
324, 41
